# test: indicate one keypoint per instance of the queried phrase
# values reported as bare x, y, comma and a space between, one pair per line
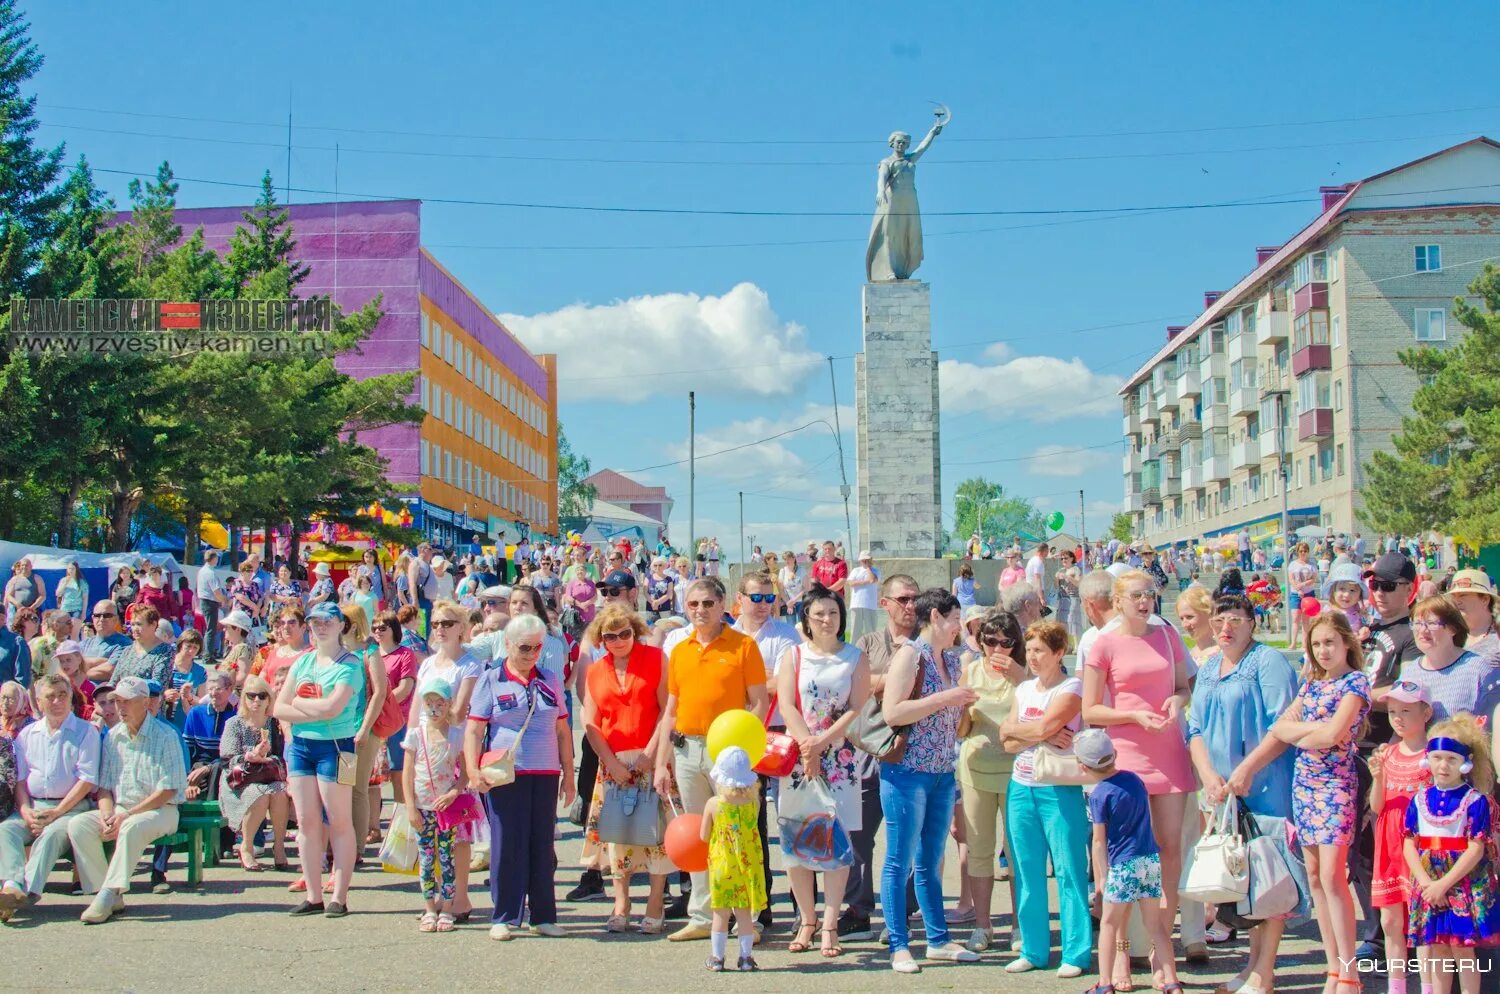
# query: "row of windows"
1319, 467
443, 405
474, 367
462, 474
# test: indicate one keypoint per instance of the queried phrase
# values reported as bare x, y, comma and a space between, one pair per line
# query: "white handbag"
1053, 767
1219, 872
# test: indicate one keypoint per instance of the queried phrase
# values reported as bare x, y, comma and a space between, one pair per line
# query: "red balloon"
1311, 606
685, 849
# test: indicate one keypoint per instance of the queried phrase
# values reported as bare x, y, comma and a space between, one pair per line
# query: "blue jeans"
918, 809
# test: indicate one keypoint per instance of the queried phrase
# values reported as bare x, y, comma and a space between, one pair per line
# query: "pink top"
1139, 675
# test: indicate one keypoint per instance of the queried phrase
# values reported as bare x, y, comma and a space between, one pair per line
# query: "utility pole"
692, 546
742, 529
1284, 467
838, 439
1083, 528
288, 193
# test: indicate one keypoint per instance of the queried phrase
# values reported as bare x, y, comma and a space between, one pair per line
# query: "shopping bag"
1273, 890
1218, 872
398, 853
807, 821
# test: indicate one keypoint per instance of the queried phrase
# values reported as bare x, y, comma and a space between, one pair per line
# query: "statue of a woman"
895, 249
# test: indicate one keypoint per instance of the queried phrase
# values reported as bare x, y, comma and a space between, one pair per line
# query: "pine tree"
266, 248
29, 196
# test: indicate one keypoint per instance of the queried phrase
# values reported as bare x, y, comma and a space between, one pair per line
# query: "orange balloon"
684, 848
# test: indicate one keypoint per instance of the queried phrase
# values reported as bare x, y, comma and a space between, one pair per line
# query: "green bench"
198, 824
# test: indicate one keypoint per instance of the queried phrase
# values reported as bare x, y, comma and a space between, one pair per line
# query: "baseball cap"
1408, 692
436, 685
1393, 566
327, 610
68, 647
152, 687
1094, 748
865, 554
619, 578
494, 593
131, 688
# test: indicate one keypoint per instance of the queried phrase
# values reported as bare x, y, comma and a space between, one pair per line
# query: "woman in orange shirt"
627, 691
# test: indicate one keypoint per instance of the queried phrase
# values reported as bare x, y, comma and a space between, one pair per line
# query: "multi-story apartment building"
484, 460
1295, 368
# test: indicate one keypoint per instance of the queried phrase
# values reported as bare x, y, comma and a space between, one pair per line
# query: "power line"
1055, 452
735, 448
637, 140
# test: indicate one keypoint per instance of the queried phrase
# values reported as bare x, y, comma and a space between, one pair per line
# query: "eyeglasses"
380, 626
1140, 595
624, 636
444, 622
701, 605
611, 591
1385, 586
1405, 685
528, 648
762, 598
1428, 625
996, 642
905, 601
257, 696
1229, 621
105, 614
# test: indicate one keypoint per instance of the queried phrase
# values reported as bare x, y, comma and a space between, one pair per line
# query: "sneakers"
903, 963
1021, 965
500, 932
715, 965
952, 952
590, 885
549, 930
1067, 971
159, 883
689, 932
106, 905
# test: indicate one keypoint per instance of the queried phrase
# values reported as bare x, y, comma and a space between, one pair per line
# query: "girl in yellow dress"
735, 883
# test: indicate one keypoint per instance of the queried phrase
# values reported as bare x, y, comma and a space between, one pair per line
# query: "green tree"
982, 506
1445, 472
1120, 528
574, 496
29, 196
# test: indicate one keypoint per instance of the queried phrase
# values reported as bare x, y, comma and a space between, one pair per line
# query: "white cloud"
1101, 513
1037, 388
645, 346
997, 352
803, 464
1065, 460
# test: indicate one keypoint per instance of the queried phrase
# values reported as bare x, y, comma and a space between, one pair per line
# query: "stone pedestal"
896, 397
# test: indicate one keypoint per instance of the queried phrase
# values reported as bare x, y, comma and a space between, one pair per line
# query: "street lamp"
974, 500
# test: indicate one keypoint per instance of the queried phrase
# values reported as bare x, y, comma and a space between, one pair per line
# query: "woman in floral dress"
829, 681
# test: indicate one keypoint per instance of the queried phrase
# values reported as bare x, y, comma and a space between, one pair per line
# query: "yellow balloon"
737, 728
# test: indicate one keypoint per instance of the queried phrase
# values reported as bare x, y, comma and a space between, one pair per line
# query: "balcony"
1242, 347
1272, 327
1189, 431
1170, 393
1132, 421
1151, 449
1150, 413
1274, 379
1270, 458
1192, 477
1245, 454
1315, 424
1171, 485
1170, 440
1311, 357
1134, 502
1151, 497
1190, 384
1311, 297
1211, 365
1132, 462
1244, 400
1216, 467
1215, 416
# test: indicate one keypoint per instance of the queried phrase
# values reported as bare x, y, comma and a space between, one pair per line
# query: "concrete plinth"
896, 397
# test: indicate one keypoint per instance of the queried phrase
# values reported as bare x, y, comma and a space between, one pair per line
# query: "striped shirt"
502, 700
133, 767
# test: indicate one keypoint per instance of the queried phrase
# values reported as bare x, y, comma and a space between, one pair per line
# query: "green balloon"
1055, 521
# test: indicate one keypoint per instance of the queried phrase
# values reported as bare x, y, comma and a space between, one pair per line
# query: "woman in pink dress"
1135, 685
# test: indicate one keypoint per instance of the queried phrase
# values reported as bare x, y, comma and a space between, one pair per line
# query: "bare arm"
1101, 715
1060, 711
925, 143
899, 681
380, 685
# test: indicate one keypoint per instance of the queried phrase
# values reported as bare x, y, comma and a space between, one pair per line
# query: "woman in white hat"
1474, 593
322, 588
239, 655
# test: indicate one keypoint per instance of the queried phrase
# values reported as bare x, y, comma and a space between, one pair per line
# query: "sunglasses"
762, 598
905, 601
699, 605
611, 591
1385, 586
1141, 595
995, 642
105, 614
257, 696
445, 623
624, 636
380, 627
528, 648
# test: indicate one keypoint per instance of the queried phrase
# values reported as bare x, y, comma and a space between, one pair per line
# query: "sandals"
830, 952
1101, 989
798, 943
652, 926
428, 922
255, 867
1127, 985
444, 922
617, 923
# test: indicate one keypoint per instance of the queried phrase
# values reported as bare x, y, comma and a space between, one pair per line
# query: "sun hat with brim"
974, 612
732, 768
237, 619
1344, 573
322, 569
1465, 581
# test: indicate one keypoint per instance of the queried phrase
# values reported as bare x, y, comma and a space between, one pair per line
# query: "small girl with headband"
1449, 850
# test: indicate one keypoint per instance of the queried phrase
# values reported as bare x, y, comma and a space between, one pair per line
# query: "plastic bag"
807, 820
398, 853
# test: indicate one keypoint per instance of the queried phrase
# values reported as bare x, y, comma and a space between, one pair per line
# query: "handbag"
808, 824
1054, 767
872, 734
1273, 890
465, 807
390, 720
782, 750
498, 766
1219, 872
242, 774
631, 816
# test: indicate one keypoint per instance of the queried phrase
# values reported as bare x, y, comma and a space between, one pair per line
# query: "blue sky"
784, 108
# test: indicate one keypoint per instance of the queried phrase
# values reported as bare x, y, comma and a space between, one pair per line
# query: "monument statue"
895, 249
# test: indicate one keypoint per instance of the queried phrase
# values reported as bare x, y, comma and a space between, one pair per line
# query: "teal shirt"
327, 678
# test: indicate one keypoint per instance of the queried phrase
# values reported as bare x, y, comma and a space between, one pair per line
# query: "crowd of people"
1368, 766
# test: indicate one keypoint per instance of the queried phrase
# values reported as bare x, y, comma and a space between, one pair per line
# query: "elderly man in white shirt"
57, 769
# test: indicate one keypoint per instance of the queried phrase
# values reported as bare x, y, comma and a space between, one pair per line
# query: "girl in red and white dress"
1397, 773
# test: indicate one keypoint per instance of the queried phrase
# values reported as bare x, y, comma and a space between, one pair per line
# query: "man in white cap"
142, 780
863, 585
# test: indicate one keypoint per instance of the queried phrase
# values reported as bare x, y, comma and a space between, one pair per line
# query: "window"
1333, 267
1338, 460
424, 457
1233, 326
1313, 391
1309, 328
447, 348
1247, 315
447, 407
1431, 324
1312, 268
447, 467
1336, 334
1429, 258
426, 331
1338, 395
1325, 462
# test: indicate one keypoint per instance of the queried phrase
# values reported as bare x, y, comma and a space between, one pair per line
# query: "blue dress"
1443, 822
1324, 783
1233, 713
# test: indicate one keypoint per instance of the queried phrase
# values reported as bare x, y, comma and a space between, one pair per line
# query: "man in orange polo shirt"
713, 670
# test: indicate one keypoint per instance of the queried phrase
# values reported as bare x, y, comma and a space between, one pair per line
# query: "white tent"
99, 568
